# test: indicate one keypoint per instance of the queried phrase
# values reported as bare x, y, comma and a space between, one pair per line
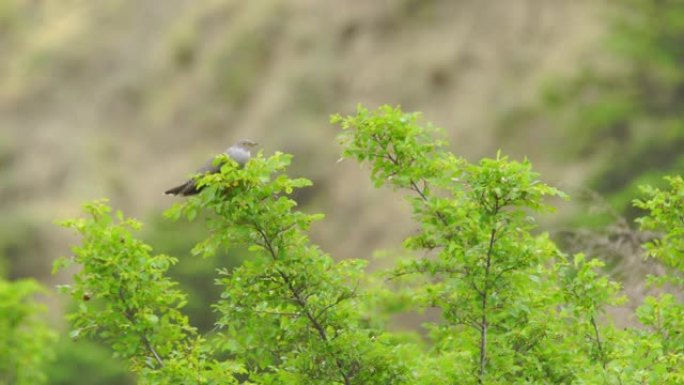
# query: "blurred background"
124, 99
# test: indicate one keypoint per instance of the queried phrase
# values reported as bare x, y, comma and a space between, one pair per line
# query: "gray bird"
239, 152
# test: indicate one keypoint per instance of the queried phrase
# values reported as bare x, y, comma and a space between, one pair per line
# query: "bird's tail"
175, 190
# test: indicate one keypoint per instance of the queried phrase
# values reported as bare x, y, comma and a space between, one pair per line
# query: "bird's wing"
209, 167
237, 153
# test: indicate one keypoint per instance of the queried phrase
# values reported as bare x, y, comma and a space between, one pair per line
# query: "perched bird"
239, 152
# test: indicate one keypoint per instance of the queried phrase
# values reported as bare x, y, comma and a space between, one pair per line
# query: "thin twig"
128, 312
301, 301
485, 289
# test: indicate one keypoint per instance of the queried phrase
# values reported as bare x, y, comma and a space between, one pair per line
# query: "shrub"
514, 308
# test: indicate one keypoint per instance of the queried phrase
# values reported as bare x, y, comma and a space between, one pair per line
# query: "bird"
239, 152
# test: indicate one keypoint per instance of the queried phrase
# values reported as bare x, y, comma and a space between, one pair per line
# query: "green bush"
26, 342
514, 308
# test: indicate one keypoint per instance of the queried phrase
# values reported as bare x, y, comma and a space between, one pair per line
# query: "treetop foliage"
515, 309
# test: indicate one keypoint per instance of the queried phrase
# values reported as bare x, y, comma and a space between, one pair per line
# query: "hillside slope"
123, 99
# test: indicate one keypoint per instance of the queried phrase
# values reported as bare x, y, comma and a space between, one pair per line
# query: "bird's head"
246, 143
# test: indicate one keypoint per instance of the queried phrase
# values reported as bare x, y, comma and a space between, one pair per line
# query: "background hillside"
123, 99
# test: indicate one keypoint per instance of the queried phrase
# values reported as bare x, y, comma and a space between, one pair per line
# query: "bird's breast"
241, 156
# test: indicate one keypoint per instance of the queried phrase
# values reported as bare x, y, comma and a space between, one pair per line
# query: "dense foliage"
26, 342
514, 308
626, 108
